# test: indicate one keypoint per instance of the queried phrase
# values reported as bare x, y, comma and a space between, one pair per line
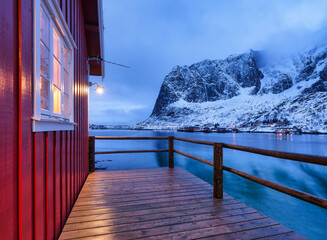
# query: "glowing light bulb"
99, 89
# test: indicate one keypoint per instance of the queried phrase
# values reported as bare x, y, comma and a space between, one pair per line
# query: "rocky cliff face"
214, 85
208, 81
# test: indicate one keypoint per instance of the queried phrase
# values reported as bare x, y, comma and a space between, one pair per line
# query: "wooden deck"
163, 203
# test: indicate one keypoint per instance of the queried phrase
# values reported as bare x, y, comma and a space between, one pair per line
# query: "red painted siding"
53, 164
8, 116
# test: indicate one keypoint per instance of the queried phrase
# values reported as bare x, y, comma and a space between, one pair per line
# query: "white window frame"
43, 120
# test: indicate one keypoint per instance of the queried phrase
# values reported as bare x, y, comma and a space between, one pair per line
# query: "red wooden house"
44, 50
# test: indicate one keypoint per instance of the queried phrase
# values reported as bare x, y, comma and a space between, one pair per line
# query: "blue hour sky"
153, 36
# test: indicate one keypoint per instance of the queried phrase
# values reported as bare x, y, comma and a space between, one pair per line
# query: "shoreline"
306, 133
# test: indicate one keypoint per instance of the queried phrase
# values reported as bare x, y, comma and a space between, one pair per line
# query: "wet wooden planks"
163, 203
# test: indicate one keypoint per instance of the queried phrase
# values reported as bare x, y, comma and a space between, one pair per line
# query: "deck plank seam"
186, 215
273, 235
113, 180
105, 206
145, 183
118, 194
137, 176
242, 230
186, 185
145, 191
139, 200
151, 194
146, 196
126, 231
210, 202
134, 186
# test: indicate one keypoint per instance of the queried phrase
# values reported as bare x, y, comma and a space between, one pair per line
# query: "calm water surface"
302, 217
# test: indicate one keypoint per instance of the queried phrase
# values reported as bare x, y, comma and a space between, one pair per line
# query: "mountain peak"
252, 73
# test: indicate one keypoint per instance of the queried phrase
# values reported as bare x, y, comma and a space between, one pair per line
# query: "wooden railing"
218, 163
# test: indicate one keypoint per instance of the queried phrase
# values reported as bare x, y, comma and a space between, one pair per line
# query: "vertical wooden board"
86, 104
57, 185
77, 109
78, 99
74, 23
71, 15
68, 173
63, 177
40, 200
78, 92
75, 168
27, 188
46, 183
72, 183
63, 7
71, 170
50, 186
27, 140
8, 114
68, 3
81, 98
79, 118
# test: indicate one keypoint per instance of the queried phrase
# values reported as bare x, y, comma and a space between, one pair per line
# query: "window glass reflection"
45, 96
56, 100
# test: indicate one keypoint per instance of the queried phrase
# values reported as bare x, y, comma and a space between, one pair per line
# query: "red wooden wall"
41, 174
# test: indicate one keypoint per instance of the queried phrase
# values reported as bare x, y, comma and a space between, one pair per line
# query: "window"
53, 68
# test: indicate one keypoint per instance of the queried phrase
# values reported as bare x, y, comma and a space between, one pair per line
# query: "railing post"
218, 170
91, 154
171, 151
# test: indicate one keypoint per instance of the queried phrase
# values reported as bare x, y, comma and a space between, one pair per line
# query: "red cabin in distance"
45, 52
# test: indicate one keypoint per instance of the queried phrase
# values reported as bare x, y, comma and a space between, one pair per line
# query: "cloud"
125, 107
152, 36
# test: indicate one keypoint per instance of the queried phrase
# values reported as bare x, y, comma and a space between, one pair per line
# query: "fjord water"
304, 218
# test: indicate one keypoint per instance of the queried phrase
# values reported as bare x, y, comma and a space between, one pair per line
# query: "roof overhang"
93, 21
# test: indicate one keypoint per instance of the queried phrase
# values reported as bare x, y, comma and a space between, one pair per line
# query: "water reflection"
291, 212
286, 137
161, 158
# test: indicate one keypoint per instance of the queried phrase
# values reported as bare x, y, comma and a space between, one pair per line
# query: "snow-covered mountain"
246, 88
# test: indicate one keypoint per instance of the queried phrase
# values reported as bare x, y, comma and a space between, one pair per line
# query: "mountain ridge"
205, 91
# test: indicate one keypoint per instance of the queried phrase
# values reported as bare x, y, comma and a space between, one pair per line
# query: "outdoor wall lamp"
99, 89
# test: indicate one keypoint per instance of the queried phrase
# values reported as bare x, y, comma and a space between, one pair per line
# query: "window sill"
47, 125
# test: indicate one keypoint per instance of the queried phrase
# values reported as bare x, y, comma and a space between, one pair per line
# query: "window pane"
66, 105
44, 61
44, 26
45, 93
66, 65
56, 100
56, 72
56, 44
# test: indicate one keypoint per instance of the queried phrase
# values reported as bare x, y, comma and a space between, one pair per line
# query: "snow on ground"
244, 109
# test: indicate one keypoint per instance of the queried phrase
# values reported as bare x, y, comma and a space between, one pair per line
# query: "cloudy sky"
152, 36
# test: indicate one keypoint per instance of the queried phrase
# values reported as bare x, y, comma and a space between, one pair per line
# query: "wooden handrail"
133, 151
129, 138
194, 157
320, 160
321, 202
195, 141
218, 163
